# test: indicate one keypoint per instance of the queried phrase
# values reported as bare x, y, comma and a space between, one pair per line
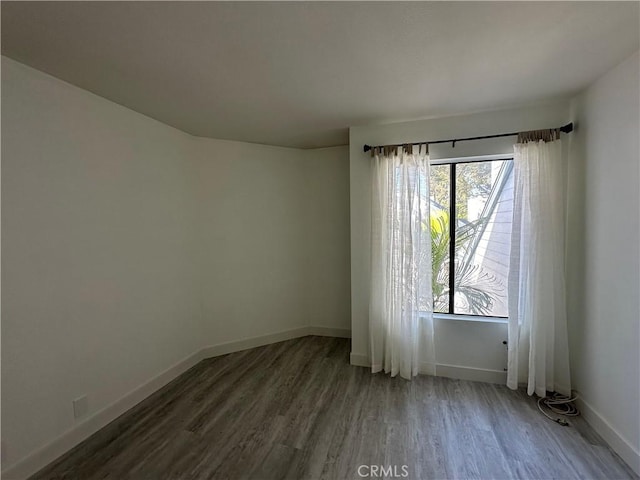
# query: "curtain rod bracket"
568, 128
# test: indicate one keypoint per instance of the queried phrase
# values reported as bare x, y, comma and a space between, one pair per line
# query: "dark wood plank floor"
298, 410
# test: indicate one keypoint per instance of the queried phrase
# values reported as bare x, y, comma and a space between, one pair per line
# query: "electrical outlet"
80, 407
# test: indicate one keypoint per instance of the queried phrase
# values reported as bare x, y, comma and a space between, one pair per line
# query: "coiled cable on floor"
558, 405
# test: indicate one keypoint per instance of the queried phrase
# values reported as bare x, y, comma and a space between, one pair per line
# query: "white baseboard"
42, 457
65, 442
253, 342
330, 332
471, 373
359, 360
616, 441
442, 370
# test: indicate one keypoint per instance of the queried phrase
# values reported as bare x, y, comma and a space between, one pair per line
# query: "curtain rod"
568, 128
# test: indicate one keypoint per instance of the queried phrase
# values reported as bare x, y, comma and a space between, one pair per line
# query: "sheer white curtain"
400, 309
538, 346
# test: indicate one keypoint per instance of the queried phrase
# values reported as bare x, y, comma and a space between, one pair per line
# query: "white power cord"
559, 405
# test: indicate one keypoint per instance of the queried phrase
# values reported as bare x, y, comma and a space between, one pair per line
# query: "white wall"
274, 226
327, 218
604, 263
129, 246
465, 345
99, 280
253, 239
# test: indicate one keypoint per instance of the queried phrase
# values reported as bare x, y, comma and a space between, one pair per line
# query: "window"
470, 218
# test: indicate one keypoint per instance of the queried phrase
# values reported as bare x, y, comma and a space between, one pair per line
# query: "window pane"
484, 195
439, 219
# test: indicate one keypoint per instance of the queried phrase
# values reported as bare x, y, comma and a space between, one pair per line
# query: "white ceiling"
299, 74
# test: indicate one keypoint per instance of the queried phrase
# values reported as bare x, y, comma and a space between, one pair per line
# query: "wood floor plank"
298, 410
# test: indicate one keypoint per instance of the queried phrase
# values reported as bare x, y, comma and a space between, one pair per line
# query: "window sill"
469, 318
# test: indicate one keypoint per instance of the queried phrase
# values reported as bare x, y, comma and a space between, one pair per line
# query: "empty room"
320, 240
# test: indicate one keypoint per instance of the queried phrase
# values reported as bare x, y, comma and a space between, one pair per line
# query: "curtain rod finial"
367, 148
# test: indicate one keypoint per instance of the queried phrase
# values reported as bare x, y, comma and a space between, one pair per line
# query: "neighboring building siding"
492, 252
